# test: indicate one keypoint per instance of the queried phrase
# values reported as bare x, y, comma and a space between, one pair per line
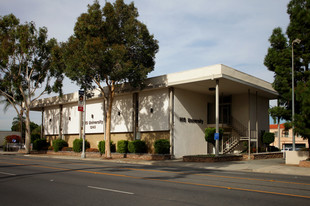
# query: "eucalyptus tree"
27, 69
109, 47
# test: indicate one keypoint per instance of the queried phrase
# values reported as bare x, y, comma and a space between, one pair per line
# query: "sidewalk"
273, 166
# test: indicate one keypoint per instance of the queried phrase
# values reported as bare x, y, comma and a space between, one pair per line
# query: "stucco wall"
70, 119
121, 118
51, 120
154, 110
189, 137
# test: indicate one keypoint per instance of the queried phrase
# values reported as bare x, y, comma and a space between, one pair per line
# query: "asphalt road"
43, 181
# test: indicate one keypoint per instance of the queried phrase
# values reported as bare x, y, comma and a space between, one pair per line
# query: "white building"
177, 106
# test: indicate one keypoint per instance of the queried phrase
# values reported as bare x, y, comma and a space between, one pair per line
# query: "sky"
191, 34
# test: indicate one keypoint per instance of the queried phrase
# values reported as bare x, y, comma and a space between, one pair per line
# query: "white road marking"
111, 190
5, 173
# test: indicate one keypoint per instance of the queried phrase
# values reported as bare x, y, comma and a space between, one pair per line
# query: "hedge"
58, 144
137, 146
122, 146
101, 147
162, 146
40, 144
78, 144
209, 135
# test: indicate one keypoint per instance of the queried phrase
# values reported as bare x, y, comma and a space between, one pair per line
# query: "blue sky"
191, 34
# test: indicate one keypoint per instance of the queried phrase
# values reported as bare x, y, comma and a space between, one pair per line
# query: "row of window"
285, 134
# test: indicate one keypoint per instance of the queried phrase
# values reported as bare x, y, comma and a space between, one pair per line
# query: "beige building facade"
286, 138
177, 106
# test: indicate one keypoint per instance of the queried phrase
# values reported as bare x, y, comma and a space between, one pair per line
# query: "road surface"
28, 180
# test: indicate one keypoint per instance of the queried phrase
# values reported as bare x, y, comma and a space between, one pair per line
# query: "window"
285, 133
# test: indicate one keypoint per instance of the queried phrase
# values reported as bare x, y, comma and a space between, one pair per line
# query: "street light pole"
293, 95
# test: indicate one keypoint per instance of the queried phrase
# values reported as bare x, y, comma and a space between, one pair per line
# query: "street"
28, 180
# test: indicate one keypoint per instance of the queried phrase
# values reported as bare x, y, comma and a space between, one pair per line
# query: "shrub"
78, 144
268, 138
122, 146
274, 149
34, 137
40, 144
162, 146
101, 147
209, 134
13, 139
137, 146
58, 144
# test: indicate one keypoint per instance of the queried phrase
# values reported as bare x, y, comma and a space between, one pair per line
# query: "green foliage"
268, 138
209, 134
26, 64
162, 146
78, 145
40, 144
34, 137
110, 46
137, 146
122, 146
58, 144
101, 147
279, 61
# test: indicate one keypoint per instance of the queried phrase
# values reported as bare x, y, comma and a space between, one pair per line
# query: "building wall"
189, 137
154, 110
70, 119
51, 120
121, 117
286, 138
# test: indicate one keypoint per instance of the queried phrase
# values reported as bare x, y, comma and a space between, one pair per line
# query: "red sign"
81, 102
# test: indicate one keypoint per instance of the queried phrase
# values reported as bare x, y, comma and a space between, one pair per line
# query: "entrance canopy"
231, 81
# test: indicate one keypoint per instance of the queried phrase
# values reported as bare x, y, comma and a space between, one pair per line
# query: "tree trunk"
27, 131
108, 127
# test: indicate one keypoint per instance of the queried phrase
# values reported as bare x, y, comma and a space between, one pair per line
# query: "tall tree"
110, 46
25, 66
279, 60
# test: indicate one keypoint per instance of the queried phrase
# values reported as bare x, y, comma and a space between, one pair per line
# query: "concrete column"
249, 125
60, 122
42, 123
256, 128
217, 108
171, 119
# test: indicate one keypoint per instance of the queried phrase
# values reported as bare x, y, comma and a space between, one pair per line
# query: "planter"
304, 163
148, 156
206, 158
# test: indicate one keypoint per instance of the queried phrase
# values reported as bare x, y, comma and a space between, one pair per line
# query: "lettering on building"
189, 120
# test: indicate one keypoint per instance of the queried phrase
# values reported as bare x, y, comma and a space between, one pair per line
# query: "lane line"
172, 181
207, 175
6, 173
220, 176
111, 190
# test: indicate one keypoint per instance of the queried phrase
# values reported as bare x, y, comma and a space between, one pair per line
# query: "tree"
26, 65
268, 138
110, 46
278, 60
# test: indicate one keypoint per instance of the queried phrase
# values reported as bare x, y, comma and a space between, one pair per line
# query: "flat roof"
231, 81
